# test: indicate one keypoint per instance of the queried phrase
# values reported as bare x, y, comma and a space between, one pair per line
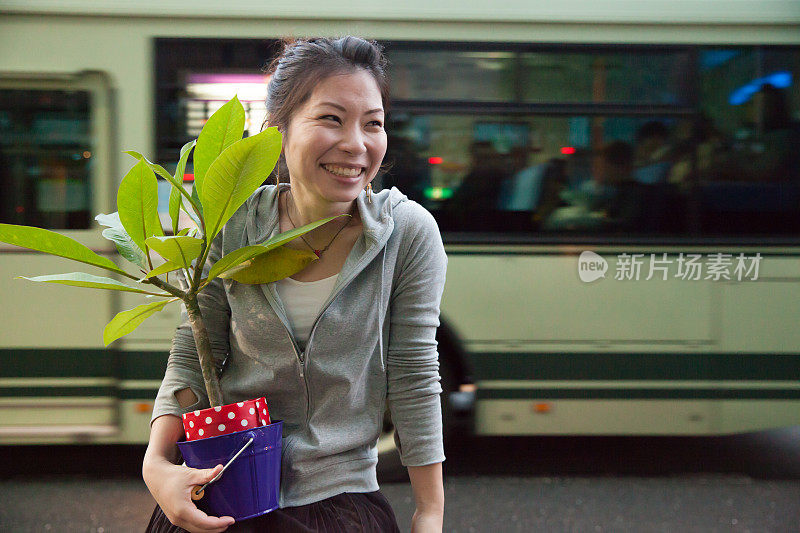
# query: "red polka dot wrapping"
225, 419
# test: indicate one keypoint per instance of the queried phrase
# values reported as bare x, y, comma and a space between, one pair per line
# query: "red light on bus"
542, 408
435, 160
188, 177
567, 150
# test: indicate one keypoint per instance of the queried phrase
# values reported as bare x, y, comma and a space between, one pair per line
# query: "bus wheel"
390, 469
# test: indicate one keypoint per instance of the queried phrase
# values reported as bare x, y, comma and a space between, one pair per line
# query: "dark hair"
303, 63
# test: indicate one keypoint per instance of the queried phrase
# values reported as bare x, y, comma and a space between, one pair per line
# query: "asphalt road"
742, 483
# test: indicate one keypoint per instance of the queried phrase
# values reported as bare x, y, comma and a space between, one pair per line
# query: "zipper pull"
301, 357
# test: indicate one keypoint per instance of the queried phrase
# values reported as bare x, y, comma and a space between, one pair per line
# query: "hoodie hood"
261, 224
376, 217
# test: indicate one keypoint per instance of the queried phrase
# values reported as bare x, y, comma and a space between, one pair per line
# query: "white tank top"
303, 301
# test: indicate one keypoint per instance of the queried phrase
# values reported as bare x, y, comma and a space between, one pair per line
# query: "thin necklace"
317, 252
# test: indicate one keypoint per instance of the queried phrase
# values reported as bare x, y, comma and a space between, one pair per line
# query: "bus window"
510, 137
453, 75
535, 174
646, 77
45, 158
745, 148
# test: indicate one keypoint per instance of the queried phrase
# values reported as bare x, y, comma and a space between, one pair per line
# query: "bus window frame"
476, 107
164, 84
102, 135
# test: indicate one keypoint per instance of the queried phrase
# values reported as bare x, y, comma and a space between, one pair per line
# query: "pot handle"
198, 491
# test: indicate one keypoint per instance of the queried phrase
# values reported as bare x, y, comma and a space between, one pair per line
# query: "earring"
369, 192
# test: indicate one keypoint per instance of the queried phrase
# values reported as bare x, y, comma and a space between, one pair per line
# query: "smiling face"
336, 140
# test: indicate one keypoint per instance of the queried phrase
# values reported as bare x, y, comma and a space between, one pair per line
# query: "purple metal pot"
250, 486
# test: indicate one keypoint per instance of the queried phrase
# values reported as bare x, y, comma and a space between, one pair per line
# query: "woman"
328, 347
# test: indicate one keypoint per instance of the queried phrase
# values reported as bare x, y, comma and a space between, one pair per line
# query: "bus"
616, 185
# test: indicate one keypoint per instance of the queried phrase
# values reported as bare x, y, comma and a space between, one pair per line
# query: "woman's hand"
170, 486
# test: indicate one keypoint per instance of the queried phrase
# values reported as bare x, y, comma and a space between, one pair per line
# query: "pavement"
703, 504
741, 483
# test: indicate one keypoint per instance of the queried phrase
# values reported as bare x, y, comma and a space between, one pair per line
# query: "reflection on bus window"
647, 77
440, 75
536, 175
731, 166
45, 158
547, 140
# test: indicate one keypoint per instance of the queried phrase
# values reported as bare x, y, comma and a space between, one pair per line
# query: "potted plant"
227, 170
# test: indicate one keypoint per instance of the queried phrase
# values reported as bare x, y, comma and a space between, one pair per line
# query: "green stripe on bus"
27, 392
41, 363
638, 366
82, 392
636, 394
138, 394
143, 365
56, 362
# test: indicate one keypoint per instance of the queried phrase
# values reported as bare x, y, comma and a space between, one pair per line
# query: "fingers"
198, 521
193, 519
207, 474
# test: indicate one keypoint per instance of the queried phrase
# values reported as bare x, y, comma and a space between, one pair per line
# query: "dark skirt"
354, 512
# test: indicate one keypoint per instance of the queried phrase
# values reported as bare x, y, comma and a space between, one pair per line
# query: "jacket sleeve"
183, 366
413, 388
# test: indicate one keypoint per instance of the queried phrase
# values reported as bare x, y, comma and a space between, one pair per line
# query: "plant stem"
204, 352
198, 269
167, 287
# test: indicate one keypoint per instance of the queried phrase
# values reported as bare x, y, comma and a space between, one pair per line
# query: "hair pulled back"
304, 63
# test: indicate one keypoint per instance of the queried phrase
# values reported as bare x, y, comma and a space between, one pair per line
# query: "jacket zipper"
300, 355
331, 298
301, 359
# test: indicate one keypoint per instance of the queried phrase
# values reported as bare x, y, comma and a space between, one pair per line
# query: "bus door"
58, 383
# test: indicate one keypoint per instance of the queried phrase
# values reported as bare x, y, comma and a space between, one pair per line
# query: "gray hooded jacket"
373, 343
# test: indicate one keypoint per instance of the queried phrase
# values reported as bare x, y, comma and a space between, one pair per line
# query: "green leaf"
161, 171
137, 203
155, 167
80, 279
231, 260
193, 214
186, 149
127, 321
117, 234
175, 204
175, 201
177, 249
271, 266
223, 128
53, 243
163, 269
235, 174
196, 201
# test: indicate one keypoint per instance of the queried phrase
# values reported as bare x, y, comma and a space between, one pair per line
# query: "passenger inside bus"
473, 206
653, 153
612, 200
